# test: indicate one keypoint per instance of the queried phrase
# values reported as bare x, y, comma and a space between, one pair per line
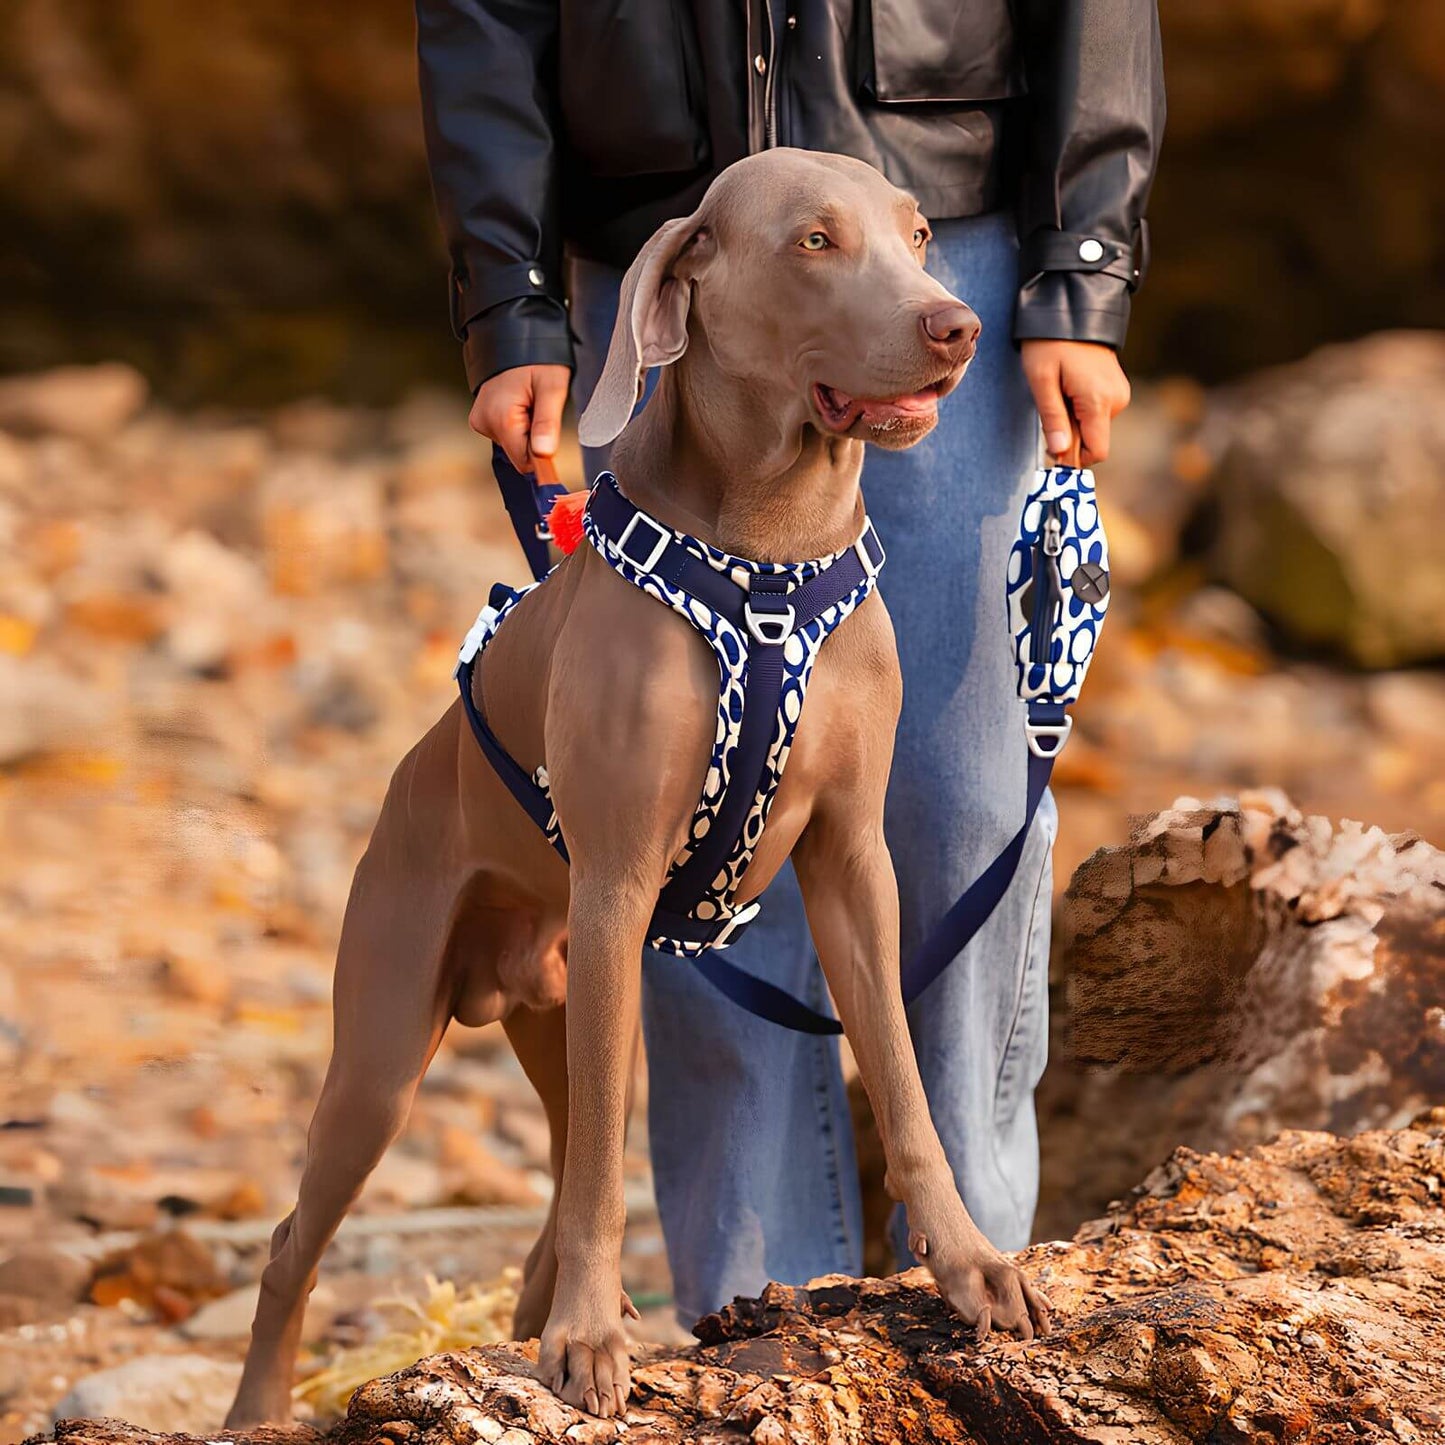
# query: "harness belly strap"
765, 623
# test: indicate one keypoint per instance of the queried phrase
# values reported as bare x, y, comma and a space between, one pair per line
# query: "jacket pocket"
941, 50
631, 87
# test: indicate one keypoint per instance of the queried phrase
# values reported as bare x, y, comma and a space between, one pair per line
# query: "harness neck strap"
771, 604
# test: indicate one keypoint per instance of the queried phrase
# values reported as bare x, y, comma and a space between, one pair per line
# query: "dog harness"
765, 623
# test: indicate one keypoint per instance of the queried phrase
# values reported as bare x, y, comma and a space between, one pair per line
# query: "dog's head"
802, 274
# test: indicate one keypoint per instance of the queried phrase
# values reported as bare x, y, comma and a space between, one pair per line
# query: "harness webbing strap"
519, 782
762, 999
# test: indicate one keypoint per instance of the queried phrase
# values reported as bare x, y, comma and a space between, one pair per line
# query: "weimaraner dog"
793, 322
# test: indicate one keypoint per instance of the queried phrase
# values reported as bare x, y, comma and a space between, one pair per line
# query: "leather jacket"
584, 124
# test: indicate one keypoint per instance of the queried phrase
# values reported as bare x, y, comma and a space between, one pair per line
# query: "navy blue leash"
528, 503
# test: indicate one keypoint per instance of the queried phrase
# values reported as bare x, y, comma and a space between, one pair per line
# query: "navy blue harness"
765, 623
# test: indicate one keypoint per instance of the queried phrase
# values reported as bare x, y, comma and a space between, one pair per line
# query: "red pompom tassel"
564, 521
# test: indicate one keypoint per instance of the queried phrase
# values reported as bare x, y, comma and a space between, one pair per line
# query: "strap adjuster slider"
645, 564
865, 553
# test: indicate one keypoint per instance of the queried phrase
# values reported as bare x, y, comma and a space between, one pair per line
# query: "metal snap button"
535, 276
760, 65
1091, 250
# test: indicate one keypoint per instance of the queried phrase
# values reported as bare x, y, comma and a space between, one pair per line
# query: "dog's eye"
920, 238
815, 241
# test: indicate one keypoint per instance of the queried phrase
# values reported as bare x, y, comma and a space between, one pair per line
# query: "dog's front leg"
851, 895
584, 1350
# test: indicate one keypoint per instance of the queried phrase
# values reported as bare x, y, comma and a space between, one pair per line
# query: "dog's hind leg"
390, 1012
539, 1039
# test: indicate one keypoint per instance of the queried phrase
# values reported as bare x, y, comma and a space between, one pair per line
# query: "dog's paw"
587, 1363
989, 1291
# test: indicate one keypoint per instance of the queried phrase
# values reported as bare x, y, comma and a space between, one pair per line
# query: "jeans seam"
822, 1057
1004, 1069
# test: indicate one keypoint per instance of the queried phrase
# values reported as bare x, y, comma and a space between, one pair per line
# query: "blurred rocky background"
241, 208
243, 524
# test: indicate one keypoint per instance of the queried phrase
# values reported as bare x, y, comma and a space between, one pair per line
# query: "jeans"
752, 1149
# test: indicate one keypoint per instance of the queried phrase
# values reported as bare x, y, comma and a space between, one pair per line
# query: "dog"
793, 323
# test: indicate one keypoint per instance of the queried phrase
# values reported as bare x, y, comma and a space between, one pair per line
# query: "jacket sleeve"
1096, 82
488, 82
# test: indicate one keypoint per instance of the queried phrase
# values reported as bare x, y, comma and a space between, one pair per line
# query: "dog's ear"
651, 327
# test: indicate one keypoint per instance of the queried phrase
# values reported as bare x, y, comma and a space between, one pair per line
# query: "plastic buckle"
870, 568
772, 622
478, 633
1059, 732
664, 536
740, 919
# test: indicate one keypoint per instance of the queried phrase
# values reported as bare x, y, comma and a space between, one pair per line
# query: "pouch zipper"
1048, 584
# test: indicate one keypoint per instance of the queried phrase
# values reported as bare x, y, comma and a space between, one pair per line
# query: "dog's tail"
564, 521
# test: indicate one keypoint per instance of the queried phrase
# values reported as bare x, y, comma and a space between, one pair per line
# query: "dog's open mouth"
839, 412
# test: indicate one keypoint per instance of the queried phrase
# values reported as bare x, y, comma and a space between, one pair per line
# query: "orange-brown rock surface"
1234, 969
1295, 1292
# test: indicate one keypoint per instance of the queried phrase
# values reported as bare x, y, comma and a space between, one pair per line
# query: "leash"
1056, 592
529, 504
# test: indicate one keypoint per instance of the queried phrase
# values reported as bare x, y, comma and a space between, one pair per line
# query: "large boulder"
1292, 1293
1232, 970
1330, 492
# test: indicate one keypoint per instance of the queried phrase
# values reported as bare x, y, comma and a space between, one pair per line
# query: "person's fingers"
1094, 417
549, 396
1045, 383
501, 413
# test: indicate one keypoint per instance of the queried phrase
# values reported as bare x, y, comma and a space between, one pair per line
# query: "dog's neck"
711, 455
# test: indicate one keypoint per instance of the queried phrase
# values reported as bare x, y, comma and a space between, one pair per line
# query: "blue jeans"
752, 1149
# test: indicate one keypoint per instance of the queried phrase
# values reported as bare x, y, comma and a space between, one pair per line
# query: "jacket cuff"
526, 331
1073, 306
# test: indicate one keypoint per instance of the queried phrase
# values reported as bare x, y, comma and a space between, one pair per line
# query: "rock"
165, 1393
87, 402
170, 1272
226, 1318
49, 709
474, 1175
1332, 472
1289, 1292
219, 596
47, 1275
1233, 970
323, 524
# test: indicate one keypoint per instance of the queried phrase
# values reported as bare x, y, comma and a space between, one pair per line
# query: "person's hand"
521, 410
1076, 383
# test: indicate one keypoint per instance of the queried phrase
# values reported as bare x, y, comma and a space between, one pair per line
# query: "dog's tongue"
877, 411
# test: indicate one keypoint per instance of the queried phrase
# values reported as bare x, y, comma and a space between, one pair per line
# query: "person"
559, 136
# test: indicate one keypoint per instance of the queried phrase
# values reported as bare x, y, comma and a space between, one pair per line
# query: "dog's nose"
953, 328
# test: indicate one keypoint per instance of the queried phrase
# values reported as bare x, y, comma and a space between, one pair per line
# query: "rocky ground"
218, 633
1291, 1293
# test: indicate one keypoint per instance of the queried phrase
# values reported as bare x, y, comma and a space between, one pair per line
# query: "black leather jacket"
587, 123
